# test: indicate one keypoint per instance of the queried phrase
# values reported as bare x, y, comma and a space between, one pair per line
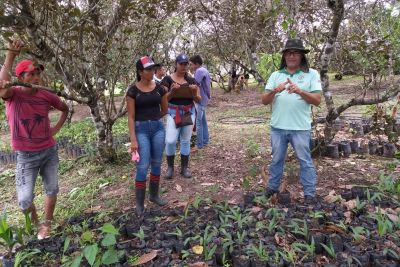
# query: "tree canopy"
90, 47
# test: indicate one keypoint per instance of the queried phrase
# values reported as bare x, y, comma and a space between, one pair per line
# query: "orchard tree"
365, 36
91, 46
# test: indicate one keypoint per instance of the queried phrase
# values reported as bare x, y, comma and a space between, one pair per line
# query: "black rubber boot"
184, 166
270, 192
170, 170
140, 195
154, 195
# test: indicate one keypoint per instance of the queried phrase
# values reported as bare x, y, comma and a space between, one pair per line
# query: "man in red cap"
27, 112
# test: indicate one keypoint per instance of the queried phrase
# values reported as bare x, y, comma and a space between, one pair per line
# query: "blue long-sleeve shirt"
202, 76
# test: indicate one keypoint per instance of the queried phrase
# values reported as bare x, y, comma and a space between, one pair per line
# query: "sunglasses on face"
292, 53
184, 63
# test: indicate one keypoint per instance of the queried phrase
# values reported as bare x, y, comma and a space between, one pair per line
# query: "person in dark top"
147, 104
246, 79
159, 73
181, 114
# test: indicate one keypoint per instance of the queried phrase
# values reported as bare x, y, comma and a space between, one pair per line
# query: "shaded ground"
231, 165
228, 166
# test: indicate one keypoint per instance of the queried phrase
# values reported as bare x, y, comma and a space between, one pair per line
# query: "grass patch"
84, 184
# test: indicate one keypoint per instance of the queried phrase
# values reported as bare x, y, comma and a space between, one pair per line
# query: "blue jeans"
300, 141
150, 136
201, 126
184, 134
29, 165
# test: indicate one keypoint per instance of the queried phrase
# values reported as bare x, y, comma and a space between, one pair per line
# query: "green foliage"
178, 233
24, 255
317, 214
94, 254
359, 232
308, 249
384, 225
268, 64
84, 132
10, 235
299, 227
3, 120
140, 234
389, 185
360, 205
252, 148
329, 249
78, 132
90, 253
259, 251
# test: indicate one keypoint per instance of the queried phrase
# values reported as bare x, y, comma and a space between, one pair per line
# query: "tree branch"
51, 90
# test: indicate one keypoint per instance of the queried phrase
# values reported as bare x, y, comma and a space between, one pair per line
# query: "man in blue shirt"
291, 91
203, 79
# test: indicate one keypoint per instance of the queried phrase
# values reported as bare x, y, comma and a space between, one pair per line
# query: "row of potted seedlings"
254, 233
70, 149
362, 126
347, 147
8, 157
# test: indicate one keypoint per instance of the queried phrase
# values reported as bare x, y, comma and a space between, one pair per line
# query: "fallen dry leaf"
331, 228
233, 201
351, 204
256, 209
322, 260
169, 219
93, 209
197, 249
146, 257
274, 199
198, 264
207, 184
178, 188
393, 246
175, 256
283, 240
347, 214
394, 218
331, 197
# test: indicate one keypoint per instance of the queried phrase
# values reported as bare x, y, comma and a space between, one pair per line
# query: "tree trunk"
105, 149
337, 7
71, 110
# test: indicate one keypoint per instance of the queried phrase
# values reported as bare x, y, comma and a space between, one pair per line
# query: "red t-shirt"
28, 118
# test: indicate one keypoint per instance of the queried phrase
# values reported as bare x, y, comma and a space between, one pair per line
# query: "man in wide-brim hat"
291, 91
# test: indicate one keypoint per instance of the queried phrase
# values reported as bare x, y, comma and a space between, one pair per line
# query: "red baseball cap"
27, 65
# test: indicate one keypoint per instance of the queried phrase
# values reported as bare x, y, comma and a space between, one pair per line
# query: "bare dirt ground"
238, 151
219, 169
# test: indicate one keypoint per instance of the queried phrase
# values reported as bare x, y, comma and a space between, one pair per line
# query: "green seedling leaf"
66, 244
90, 253
109, 228
285, 25
77, 261
110, 257
28, 224
108, 240
87, 237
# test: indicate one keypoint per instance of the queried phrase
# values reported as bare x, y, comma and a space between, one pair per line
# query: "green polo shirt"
290, 111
